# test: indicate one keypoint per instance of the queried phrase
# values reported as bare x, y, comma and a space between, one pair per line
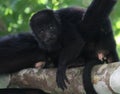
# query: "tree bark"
105, 78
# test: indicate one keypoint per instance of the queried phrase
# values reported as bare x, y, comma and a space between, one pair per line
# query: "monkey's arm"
67, 57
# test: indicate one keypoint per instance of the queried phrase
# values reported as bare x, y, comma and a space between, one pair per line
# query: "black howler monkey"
75, 35
68, 36
18, 52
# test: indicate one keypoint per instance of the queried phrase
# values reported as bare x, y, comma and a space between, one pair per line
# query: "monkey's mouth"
49, 46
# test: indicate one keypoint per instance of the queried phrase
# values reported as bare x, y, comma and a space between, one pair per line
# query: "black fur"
64, 43
69, 37
18, 52
76, 35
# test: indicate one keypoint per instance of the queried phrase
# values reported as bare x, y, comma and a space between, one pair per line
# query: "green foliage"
15, 14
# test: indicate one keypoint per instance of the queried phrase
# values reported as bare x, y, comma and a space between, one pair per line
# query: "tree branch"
105, 78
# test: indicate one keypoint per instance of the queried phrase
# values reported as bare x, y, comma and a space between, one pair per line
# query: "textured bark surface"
105, 78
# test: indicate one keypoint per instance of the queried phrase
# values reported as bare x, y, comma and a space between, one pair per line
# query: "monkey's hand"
61, 78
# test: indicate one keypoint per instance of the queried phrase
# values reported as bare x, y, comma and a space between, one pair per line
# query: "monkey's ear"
43, 17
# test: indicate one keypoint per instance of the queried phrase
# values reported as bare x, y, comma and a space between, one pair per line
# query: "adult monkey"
72, 35
97, 18
95, 37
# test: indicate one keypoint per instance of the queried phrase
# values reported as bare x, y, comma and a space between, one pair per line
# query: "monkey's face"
46, 28
47, 34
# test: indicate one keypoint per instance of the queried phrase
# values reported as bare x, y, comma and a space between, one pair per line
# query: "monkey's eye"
51, 27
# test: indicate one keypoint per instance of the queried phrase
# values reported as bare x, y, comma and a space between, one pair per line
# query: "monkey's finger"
60, 78
60, 82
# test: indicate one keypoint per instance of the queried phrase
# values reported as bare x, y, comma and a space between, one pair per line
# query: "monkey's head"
45, 25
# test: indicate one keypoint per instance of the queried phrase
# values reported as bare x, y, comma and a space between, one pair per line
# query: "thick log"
105, 78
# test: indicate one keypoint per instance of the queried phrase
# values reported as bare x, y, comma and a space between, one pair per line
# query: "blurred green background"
15, 14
